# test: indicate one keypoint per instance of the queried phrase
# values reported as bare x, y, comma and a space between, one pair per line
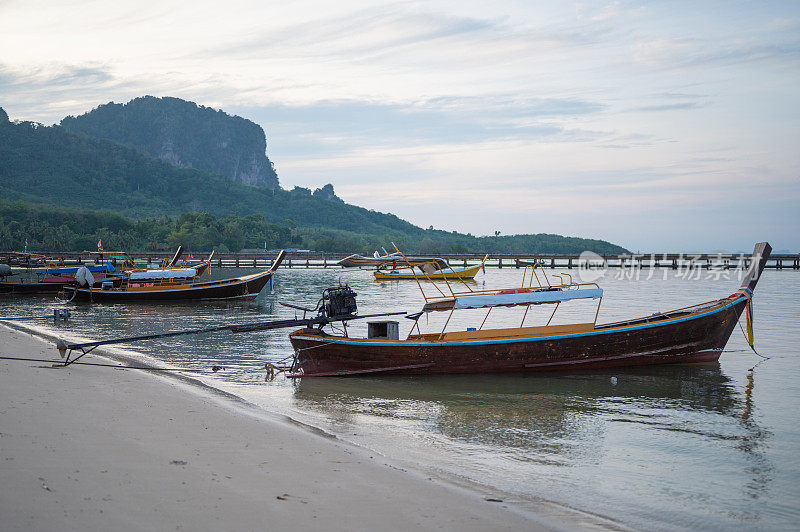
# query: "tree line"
52, 228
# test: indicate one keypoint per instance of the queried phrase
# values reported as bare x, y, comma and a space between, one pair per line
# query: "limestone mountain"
185, 135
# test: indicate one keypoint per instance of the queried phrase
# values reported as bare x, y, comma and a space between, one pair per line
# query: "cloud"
336, 127
670, 106
695, 52
54, 89
356, 35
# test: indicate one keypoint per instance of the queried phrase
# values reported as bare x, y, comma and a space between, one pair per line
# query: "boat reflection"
549, 419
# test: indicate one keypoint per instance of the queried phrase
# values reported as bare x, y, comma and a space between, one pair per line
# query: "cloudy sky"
659, 126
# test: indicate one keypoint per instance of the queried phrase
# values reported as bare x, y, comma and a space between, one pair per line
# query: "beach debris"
44, 484
490, 499
178, 462
286, 497
217, 368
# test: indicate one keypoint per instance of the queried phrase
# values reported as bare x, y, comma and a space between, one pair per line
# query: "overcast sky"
658, 126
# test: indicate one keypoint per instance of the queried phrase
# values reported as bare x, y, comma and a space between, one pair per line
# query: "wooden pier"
318, 259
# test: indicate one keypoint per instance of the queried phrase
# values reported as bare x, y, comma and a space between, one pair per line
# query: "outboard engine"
338, 301
5, 270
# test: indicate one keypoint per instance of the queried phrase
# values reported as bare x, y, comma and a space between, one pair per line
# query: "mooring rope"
58, 363
746, 339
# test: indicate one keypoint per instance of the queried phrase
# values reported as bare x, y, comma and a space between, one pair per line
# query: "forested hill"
155, 203
48, 164
185, 135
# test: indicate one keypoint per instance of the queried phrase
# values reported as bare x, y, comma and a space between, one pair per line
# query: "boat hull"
699, 337
21, 288
247, 287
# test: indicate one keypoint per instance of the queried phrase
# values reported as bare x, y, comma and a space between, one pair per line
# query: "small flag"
99, 245
26, 242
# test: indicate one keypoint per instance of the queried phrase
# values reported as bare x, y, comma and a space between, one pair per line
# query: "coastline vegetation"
53, 228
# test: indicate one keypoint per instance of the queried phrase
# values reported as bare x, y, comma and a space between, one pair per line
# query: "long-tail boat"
377, 260
52, 277
173, 284
397, 266
47, 278
697, 333
430, 270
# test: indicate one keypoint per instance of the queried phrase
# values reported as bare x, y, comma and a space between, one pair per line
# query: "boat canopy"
105, 267
510, 298
174, 273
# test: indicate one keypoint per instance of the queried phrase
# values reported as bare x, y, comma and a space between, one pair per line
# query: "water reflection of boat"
691, 386
545, 413
697, 333
556, 419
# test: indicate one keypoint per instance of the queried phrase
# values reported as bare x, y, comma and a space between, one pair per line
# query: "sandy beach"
96, 448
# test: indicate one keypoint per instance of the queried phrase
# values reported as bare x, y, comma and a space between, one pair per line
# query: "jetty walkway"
319, 259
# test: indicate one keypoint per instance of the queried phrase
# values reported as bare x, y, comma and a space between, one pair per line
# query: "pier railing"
319, 259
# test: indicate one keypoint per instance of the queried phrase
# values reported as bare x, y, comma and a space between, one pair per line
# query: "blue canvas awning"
512, 298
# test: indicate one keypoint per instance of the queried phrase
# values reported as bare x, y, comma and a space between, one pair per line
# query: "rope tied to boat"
747, 293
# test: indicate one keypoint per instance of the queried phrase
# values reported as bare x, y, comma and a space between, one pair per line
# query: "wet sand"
96, 448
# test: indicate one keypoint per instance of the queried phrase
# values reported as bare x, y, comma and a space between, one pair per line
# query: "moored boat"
693, 334
429, 270
51, 280
172, 284
376, 261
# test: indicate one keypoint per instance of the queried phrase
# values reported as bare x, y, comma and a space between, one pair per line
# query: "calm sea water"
710, 446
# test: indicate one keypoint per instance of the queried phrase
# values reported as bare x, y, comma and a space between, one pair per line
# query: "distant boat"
433, 270
175, 284
697, 333
50, 281
361, 261
397, 266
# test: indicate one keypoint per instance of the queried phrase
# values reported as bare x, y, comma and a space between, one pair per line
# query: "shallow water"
709, 446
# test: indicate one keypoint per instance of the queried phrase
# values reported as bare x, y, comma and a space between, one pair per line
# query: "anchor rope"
739, 322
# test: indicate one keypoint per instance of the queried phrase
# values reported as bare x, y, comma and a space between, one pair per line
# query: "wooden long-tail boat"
430, 270
697, 333
376, 261
173, 284
50, 280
